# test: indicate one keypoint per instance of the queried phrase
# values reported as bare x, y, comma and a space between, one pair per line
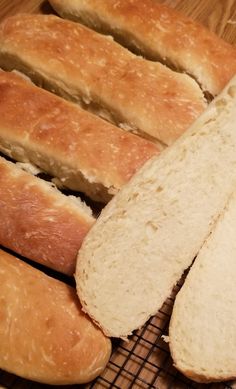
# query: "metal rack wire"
144, 362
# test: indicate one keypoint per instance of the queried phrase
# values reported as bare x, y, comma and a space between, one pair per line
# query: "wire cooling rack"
141, 363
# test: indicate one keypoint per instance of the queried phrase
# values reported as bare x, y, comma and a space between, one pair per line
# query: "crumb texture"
151, 231
203, 323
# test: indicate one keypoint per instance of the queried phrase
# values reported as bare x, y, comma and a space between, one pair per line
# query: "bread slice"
44, 335
203, 324
138, 95
84, 152
154, 227
39, 222
159, 33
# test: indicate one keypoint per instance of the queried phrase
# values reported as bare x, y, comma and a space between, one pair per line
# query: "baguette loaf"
153, 228
159, 33
80, 64
39, 222
44, 335
203, 324
85, 152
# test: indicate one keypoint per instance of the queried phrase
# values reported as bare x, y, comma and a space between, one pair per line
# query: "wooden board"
143, 362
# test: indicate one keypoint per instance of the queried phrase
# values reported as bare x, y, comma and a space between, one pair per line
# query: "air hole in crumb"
221, 103
150, 226
135, 195
211, 120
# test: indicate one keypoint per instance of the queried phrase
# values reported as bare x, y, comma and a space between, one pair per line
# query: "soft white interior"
203, 325
152, 229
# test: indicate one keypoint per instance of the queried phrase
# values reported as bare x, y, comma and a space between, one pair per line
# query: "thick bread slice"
85, 152
72, 60
203, 324
39, 222
159, 33
153, 228
44, 335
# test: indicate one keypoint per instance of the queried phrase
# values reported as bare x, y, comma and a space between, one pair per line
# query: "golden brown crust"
44, 335
158, 31
38, 222
146, 96
84, 151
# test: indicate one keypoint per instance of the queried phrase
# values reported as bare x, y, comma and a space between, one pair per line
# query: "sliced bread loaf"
151, 231
203, 324
44, 335
38, 221
93, 70
84, 152
159, 33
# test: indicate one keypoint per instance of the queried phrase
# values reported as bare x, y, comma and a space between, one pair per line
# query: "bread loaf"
44, 335
203, 323
80, 64
83, 151
39, 222
165, 213
159, 33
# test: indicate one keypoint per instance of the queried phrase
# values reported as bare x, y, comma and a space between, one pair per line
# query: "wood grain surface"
218, 15
11, 7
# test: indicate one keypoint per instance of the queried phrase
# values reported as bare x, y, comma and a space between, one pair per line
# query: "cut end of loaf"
144, 239
195, 365
202, 328
194, 353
